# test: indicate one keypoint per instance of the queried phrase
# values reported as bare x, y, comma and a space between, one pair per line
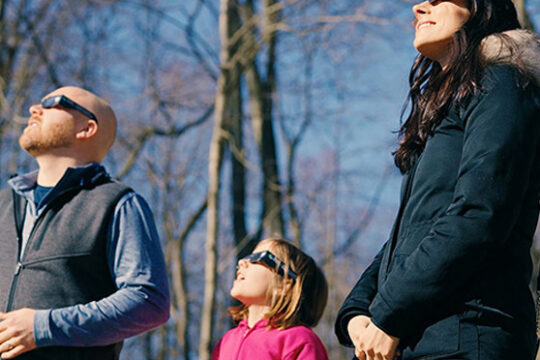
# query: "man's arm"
138, 268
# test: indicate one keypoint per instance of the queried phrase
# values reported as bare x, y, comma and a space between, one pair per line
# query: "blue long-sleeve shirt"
136, 263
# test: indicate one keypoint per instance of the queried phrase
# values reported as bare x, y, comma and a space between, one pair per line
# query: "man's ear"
90, 129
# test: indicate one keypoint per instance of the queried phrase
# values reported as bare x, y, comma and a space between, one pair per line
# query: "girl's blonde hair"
299, 302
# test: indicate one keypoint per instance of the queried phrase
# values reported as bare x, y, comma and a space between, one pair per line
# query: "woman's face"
435, 23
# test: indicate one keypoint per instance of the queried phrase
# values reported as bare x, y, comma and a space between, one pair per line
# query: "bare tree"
261, 92
523, 14
226, 108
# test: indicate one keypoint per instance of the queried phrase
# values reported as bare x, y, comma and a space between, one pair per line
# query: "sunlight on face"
254, 282
435, 23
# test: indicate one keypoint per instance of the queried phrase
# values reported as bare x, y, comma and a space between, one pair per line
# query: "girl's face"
254, 282
436, 22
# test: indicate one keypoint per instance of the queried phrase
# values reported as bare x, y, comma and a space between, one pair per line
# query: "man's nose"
36, 109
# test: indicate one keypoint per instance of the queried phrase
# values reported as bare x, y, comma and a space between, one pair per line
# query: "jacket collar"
75, 177
495, 50
263, 323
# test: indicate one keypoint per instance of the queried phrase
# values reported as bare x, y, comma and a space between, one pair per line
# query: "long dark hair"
433, 91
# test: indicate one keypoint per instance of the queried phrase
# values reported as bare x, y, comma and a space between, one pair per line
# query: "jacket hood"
495, 50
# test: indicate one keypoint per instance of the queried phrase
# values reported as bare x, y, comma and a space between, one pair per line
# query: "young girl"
283, 294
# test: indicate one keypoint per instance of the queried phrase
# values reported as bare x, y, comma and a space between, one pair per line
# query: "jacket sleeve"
141, 301
500, 151
359, 299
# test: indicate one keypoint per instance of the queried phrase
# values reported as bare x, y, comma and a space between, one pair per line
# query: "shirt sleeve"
141, 301
500, 145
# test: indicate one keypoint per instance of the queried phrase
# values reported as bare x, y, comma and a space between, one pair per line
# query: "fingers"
356, 327
5, 335
372, 351
14, 346
13, 352
5, 342
6, 346
370, 355
360, 355
16, 333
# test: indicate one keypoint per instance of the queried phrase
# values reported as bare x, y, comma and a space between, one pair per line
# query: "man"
81, 266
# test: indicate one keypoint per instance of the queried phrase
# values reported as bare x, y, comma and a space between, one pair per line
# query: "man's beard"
37, 142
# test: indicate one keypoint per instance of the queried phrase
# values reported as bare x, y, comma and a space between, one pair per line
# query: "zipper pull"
18, 268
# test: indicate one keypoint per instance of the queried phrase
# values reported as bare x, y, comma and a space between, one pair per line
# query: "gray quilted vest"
64, 262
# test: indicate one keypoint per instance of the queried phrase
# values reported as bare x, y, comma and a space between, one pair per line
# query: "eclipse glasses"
271, 261
66, 103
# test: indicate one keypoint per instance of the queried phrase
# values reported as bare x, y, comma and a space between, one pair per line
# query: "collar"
494, 49
263, 323
75, 177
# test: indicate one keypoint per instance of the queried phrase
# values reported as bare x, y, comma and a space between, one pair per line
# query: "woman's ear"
87, 131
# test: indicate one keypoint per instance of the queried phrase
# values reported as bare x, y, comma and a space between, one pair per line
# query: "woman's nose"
421, 8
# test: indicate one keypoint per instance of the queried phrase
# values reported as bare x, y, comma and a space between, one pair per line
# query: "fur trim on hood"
495, 50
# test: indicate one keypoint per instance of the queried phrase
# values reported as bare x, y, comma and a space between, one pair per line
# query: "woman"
452, 280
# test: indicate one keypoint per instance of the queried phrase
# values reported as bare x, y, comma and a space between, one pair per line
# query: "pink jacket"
244, 343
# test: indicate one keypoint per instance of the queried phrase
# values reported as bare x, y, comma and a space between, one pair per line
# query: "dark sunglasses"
66, 103
270, 260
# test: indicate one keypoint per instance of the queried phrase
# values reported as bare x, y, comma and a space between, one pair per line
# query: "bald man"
81, 267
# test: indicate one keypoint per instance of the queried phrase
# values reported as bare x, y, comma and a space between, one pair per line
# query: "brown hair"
299, 302
433, 91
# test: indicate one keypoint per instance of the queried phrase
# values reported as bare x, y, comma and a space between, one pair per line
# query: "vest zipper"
18, 268
20, 263
42, 215
13, 287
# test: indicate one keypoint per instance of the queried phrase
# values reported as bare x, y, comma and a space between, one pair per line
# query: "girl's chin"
234, 294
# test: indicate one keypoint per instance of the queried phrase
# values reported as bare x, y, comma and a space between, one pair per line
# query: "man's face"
48, 129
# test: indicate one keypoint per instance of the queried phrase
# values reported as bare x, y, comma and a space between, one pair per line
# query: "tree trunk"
261, 92
178, 285
523, 15
236, 142
217, 146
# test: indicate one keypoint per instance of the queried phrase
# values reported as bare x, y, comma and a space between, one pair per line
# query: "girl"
283, 294
452, 282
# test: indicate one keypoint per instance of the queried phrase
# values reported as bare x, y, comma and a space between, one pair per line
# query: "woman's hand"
357, 327
370, 342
